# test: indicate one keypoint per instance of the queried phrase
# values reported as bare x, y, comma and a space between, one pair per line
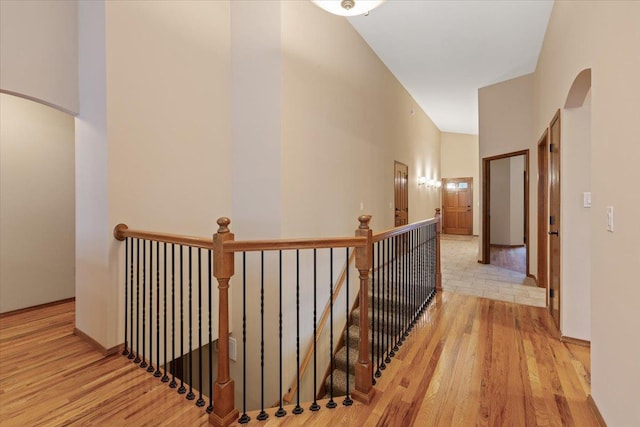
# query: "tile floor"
461, 273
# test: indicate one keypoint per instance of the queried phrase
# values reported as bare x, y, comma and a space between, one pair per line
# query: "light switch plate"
586, 199
610, 218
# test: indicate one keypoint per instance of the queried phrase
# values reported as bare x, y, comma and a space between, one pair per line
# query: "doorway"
505, 211
457, 205
401, 193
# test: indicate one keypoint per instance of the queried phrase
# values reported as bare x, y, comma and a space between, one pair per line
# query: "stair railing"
165, 277
397, 252
311, 350
405, 278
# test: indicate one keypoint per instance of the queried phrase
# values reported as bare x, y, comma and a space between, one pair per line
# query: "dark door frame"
486, 197
543, 210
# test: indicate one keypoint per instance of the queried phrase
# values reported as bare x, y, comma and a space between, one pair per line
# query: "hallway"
461, 273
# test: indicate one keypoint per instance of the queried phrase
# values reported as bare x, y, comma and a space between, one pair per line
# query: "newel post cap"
364, 222
223, 223
119, 230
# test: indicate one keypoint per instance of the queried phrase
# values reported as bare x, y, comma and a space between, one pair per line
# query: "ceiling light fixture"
348, 7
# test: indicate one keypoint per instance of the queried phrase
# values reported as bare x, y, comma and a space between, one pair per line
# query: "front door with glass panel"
457, 205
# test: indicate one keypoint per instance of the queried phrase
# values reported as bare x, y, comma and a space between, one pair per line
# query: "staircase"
391, 316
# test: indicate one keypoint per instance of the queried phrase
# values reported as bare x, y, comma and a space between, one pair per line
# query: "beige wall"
500, 203
458, 159
36, 205
604, 36
39, 35
345, 119
505, 112
576, 221
516, 200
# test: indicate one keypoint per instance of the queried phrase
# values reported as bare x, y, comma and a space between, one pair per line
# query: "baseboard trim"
96, 345
596, 412
36, 307
506, 246
576, 341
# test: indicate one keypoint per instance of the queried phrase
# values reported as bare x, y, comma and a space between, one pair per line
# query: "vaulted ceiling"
444, 51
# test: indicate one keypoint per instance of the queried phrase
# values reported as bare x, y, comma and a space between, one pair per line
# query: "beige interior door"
457, 205
401, 194
554, 219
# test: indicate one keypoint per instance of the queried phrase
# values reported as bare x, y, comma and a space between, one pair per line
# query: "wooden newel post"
224, 410
438, 232
364, 369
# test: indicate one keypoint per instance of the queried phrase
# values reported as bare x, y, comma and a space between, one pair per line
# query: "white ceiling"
443, 51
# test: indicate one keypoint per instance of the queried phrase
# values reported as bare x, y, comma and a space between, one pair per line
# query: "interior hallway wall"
459, 159
37, 204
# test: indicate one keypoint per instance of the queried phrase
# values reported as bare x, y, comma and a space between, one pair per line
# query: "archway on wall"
37, 194
575, 251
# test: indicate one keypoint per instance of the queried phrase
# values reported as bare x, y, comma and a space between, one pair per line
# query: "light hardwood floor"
469, 361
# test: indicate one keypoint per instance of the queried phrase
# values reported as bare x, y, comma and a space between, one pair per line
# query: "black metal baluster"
331, 404
150, 367
379, 343
280, 412
165, 377
131, 355
125, 350
143, 363
137, 359
244, 418
396, 295
405, 288
374, 314
182, 389
262, 415
200, 402
298, 409
210, 278
157, 373
387, 312
173, 383
347, 400
314, 406
190, 395
403, 283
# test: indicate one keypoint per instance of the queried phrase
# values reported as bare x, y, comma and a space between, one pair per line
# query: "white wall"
459, 159
97, 308
39, 51
500, 203
36, 204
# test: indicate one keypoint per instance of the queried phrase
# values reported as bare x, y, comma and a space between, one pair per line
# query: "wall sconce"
422, 180
434, 183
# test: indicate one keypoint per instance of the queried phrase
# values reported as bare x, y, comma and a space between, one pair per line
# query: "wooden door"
457, 206
401, 194
543, 210
554, 219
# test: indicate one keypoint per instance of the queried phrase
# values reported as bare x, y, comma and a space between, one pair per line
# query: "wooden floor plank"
468, 361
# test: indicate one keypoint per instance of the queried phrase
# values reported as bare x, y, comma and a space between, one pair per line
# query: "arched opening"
37, 195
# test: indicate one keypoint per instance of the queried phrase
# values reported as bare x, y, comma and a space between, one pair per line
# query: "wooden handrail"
269, 245
403, 229
121, 232
288, 397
